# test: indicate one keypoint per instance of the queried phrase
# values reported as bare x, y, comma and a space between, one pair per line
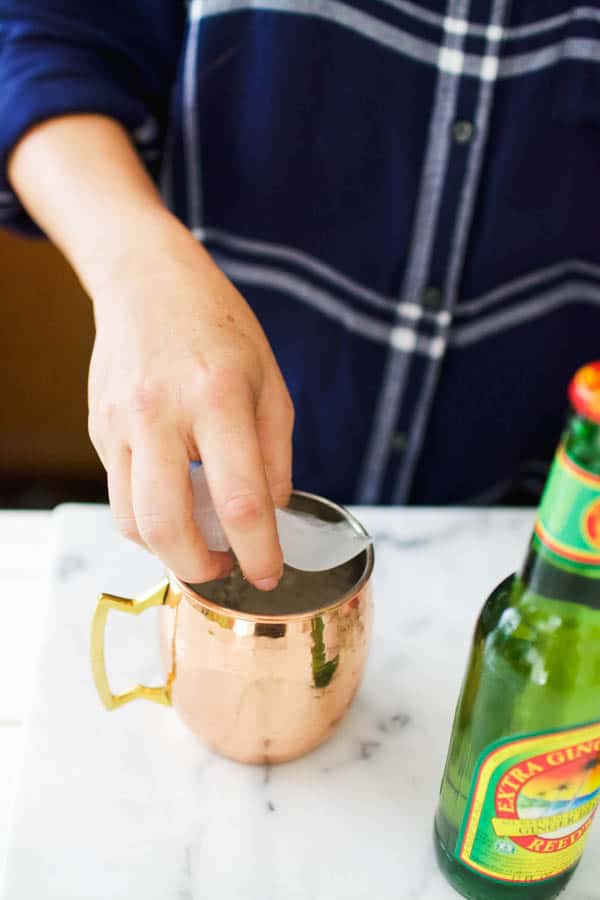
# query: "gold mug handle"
156, 596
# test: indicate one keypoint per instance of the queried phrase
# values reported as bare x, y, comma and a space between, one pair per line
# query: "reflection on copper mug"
258, 688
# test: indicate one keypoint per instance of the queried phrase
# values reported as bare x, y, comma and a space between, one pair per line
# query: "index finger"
162, 503
235, 470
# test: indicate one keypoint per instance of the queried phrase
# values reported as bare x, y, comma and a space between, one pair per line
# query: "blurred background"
45, 454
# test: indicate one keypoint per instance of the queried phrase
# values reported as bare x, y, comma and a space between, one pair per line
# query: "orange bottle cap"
584, 392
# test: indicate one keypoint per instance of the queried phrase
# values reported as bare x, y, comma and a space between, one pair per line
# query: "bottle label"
531, 805
568, 523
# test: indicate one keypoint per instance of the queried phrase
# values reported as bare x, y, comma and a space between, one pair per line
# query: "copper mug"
256, 687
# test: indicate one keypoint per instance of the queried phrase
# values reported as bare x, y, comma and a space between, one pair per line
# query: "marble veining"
128, 806
68, 564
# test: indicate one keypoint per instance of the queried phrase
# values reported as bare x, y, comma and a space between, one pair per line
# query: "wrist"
138, 244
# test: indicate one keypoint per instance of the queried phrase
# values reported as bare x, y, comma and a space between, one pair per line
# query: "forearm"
82, 181
180, 369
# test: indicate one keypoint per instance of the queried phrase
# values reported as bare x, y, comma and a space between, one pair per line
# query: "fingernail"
266, 584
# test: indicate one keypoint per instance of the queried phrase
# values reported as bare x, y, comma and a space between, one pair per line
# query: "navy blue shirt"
407, 194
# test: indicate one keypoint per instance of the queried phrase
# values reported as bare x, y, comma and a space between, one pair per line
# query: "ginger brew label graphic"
532, 803
568, 523
590, 524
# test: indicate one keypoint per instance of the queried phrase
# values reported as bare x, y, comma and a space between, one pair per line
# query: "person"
379, 214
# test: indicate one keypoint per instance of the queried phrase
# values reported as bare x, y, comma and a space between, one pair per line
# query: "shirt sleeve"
95, 56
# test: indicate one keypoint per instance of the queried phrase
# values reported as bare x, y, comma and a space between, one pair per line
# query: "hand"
182, 370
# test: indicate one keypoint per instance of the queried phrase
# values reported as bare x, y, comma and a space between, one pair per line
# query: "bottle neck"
563, 562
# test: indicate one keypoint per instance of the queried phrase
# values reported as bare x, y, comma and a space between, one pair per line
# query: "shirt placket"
451, 171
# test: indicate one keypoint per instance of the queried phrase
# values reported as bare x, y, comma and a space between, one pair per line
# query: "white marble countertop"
128, 806
25, 547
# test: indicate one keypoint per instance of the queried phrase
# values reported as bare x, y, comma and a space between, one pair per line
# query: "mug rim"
197, 599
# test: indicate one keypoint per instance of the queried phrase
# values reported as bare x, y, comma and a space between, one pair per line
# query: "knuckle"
101, 420
156, 530
218, 386
241, 510
145, 400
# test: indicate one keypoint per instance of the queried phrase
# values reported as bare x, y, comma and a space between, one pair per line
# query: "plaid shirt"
407, 194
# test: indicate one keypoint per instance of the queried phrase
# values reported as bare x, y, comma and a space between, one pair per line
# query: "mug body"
267, 688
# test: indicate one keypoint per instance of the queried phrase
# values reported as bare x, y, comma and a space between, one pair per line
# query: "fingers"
274, 424
227, 436
119, 494
162, 504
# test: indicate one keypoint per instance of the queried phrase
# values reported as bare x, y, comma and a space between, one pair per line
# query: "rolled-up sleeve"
85, 56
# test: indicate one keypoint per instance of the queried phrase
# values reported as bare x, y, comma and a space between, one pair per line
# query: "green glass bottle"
522, 778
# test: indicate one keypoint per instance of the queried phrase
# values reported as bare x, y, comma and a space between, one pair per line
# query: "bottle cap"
584, 392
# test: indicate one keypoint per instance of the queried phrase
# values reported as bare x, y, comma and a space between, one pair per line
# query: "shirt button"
463, 131
398, 442
431, 298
